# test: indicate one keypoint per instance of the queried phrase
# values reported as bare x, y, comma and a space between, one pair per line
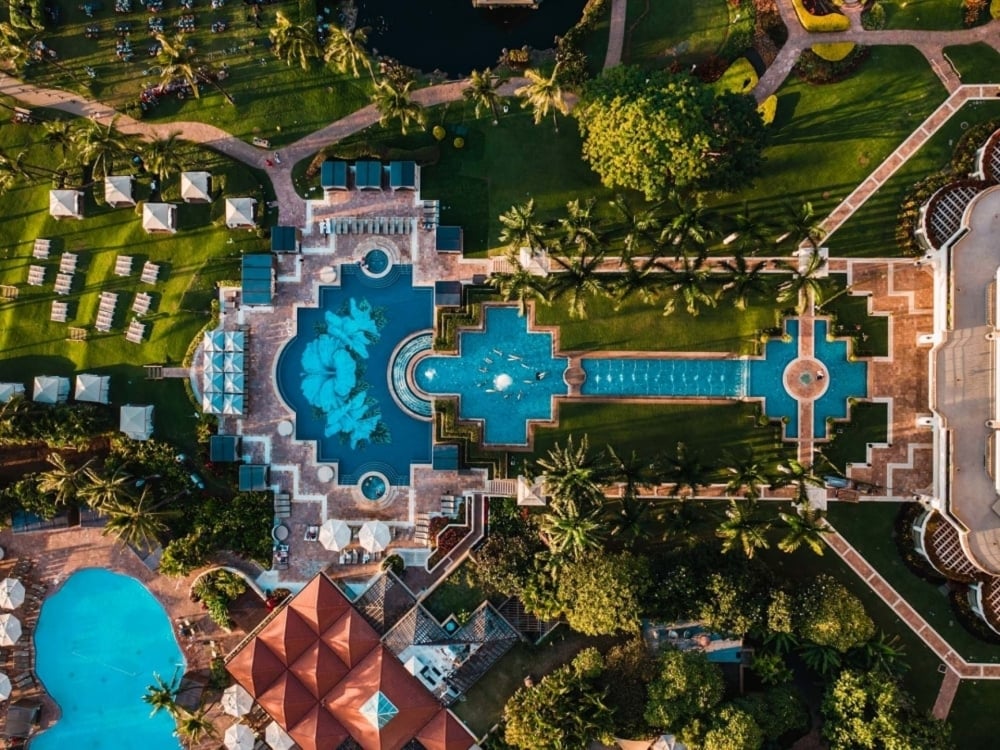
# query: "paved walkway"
616, 33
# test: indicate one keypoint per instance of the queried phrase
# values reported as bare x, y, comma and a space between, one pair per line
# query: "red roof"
381, 671
255, 667
287, 700
445, 732
319, 669
318, 730
287, 635
351, 637
320, 604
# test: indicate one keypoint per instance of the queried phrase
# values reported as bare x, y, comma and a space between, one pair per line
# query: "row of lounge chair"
376, 225
150, 271
106, 311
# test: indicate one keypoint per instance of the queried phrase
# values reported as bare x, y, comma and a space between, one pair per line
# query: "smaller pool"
376, 262
374, 486
354, 589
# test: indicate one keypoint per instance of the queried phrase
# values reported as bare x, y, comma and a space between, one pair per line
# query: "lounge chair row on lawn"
150, 271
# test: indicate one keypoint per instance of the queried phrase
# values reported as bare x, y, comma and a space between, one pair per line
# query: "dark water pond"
452, 36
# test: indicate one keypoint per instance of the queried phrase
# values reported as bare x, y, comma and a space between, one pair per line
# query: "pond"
452, 36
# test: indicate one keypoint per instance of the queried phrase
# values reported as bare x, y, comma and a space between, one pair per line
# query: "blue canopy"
403, 175
368, 175
333, 175
257, 279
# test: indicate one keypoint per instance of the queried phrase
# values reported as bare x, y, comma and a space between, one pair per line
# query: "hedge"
833, 51
740, 78
29, 14
768, 109
829, 22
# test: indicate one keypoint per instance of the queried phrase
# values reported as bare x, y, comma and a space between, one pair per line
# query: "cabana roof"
196, 187
66, 204
239, 212
253, 477
448, 239
159, 217
258, 279
333, 175
93, 388
403, 175
223, 448
368, 175
136, 421
283, 240
51, 389
118, 190
9, 390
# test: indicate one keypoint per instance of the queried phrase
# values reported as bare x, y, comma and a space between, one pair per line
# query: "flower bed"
813, 18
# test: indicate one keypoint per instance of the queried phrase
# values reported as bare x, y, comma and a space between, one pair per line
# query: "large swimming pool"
99, 640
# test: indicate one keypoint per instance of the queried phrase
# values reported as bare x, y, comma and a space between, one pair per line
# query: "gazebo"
92, 388
159, 217
239, 213
196, 187
136, 421
66, 204
118, 191
9, 390
50, 389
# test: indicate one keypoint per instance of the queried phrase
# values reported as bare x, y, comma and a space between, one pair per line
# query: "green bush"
995, 9
830, 22
215, 591
27, 14
768, 109
439, 133
873, 17
833, 51
740, 78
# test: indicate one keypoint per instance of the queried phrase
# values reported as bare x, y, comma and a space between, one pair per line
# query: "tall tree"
521, 285
646, 282
640, 228
544, 94
104, 488
195, 727
750, 233
802, 476
162, 695
573, 473
685, 468
21, 50
687, 687
746, 473
601, 593
63, 480
691, 225
482, 92
691, 281
394, 103
804, 527
294, 42
137, 522
101, 147
653, 131
799, 224
59, 135
806, 282
569, 530
345, 50
165, 156
575, 277
744, 528
521, 228
744, 280
179, 60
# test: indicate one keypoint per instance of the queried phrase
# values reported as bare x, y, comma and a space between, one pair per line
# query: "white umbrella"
334, 534
11, 593
236, 701
277, 738
239, 737
374, 536
10, 629
4, 687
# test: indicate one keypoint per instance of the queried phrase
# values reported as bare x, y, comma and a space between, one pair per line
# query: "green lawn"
870, 333
923, 14
641, 327
827, 139
457, 594
868, 424
686, 30
273, 100
649, 428
191, 262
869, 527
972, 717
870, 230
976, 63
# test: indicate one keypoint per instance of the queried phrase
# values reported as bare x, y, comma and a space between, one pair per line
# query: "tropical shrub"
215, 590
28, 14
768, 109
995, 9
873, 17
815, 69
833, 51
831, 21
740, 78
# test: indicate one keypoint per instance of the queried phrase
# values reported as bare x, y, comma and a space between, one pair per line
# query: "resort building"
159, 217
196, 187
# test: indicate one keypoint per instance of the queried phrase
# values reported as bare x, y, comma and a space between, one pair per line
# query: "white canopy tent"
93, 388
118, 191
196, 187
9, 390
239, 212
277, 738
5, 687
66, 204
136, 421
159, 217
51, 389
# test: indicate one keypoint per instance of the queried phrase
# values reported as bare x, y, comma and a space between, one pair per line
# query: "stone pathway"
616, 33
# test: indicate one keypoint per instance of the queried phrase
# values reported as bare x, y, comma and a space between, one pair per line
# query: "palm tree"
165, 156
644, 282
21, 51
805, 282
62, 480
750, 233
59, 135
162, 695
744, 280
294, 42
520, 229
800, 225
101, 489
570, 531
805, 527
692, 224
744, 527
633, 517
684, 468
801, 475
573, 473
681, 521
746, 474
690, 279
579, 226
520, 285
543, 95
395, 104
631, 472
575, 278
482, 92
179, 60
825, 660
345, 48
137, 522
195, 727
640, 228
101, 146
883, 654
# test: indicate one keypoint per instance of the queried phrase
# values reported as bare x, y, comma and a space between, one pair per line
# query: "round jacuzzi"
376, 263
374, 486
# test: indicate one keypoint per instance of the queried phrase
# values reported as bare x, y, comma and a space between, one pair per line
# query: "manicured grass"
456, 595
649, 428
870, 231
686, 30
976, 63
972, 717
827, 138
923, 14
870, 333
641, 327
870, 527
191, 262
273, 100
868, 424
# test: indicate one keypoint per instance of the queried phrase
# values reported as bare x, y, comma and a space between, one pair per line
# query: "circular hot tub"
374, 486
376, 263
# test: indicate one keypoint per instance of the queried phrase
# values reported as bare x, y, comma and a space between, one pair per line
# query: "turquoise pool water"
99, 640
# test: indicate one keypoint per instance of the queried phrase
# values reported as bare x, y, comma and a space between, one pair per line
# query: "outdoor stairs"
449, 505
431, 214
154, 372
501, 488
421, 533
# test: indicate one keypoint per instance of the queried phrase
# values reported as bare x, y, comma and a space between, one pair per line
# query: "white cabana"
159, 217
239, 212
239, 737
93, 388
196, 187
66, 204
531, 493
334, 534
10, 629
236, 701
11, 593
136, 421
9, 390
50, 389
374, 536
5, 687
118, 191
277, 738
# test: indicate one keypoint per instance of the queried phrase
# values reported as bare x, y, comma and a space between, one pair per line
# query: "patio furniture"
150, 273
41, 249
136, 331
281, 557
67, 263
59, 311
36, 275
8, 291
140, 306
123, 265
63, 283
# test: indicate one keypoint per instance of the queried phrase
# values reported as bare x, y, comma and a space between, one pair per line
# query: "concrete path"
616, 33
